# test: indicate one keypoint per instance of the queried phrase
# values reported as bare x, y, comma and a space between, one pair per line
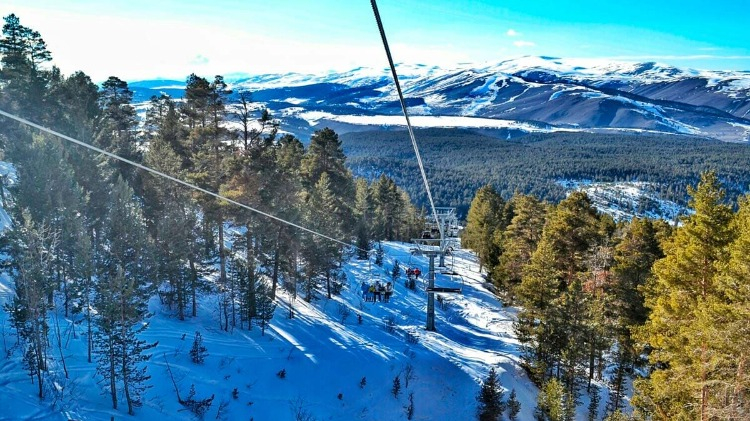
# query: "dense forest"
668, 307
98, 237
460, 161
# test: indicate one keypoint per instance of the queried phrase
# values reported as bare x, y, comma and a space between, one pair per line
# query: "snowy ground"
624, 200
322, 356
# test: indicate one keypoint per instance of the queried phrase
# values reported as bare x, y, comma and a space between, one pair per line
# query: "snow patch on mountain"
624, 200
315, 117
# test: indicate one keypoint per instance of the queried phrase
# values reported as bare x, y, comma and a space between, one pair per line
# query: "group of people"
377, 291
413, 272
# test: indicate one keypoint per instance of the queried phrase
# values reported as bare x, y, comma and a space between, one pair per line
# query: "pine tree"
116, 129
490, 398
33, 261
593, 409
396, 388
514, 406
551, 402
483, 220
552, 325
120, 354
379, 254
24, 81
534, 325
722, 322
325, 155
121, 296
321, 255
634, 257
396, 271
266, 306
363, 212
198, 352
519, 241
684, 283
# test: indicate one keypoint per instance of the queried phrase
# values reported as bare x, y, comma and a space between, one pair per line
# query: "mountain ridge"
558, 94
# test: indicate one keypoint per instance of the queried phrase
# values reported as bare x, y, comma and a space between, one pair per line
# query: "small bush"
197, 406
396, 389
390, 324
281, 374
344, 312
363, 383
410, 407
198, 352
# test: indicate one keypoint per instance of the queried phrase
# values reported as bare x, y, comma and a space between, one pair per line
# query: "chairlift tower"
431, 248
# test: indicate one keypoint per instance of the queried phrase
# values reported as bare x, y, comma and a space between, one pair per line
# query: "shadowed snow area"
336, 367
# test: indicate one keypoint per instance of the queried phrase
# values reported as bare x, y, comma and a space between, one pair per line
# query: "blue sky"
138, 39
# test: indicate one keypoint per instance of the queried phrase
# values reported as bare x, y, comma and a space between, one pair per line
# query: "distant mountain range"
506, 99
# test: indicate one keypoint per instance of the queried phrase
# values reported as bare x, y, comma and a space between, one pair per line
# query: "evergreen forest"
667, 306
461, 161
98, 236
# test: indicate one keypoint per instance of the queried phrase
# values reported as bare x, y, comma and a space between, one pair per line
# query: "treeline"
95, 238
460, 161
639, 299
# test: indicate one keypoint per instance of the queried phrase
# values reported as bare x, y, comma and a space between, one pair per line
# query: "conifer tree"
519, 240
266, 306
684, 283
22, 77
634, 257
364, 215
198, 352
321, 255
325, 155
723, 324
514, 406
33, 260
551, 402
483, 220
490, 398
116, 128
120, 354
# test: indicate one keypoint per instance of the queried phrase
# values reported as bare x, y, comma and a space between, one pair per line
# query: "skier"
364, 287
388, 292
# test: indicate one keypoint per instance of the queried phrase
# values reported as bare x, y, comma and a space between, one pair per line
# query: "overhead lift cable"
169, 177
406, 115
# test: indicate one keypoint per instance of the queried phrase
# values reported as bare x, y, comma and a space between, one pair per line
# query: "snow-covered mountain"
529, 93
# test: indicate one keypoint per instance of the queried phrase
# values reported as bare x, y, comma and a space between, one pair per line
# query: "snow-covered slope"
628, 199
324, 354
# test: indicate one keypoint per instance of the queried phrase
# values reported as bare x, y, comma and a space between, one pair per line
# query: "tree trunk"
252, 309
194, 285
222, 258
275, 274
180, 287
112, 378
328, 283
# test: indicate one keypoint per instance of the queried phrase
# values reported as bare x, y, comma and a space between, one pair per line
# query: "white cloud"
521, 44
667, 57
512, 33
199, 59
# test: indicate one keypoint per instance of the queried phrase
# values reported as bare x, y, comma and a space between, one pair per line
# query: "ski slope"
323, 356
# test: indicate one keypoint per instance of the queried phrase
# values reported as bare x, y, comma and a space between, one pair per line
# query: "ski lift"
455, 286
